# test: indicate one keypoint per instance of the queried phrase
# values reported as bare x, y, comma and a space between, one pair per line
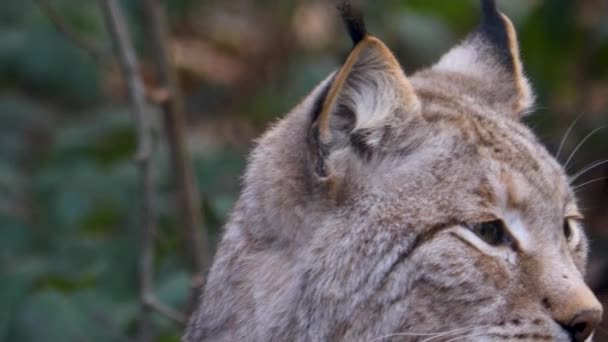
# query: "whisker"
402, 334
432, 335
589, 182
587, 169
565, 137
581, 145
467, 336
456, 331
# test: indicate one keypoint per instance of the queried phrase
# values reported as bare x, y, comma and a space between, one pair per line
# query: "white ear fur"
491, 54
372, 85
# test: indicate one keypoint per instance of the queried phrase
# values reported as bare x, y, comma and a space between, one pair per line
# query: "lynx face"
395, 208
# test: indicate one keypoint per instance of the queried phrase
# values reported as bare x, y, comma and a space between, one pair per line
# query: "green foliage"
34, 55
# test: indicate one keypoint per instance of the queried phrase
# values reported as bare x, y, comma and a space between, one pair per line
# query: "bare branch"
12, 208
94, 50
158, 96
195, 236
123, 46
174, 315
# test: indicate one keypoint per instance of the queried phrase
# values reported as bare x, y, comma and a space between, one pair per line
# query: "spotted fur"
355, 219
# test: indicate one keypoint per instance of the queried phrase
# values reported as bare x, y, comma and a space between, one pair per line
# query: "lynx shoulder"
394, 207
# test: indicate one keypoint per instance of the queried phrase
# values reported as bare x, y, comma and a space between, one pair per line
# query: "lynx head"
393, 207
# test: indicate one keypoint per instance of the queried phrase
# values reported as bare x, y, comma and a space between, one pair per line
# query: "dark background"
69, 222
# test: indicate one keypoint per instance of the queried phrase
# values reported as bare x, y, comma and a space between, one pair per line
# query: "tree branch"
195, 236
176, 316
95, 51
118, 30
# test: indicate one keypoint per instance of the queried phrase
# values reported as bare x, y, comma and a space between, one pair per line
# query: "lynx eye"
493, 232
567, 230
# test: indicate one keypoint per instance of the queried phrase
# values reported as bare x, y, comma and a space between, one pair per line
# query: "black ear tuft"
354, 21
494, 28
490, 54
489, 8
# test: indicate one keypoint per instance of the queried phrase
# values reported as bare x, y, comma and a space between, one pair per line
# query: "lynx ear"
369, 89
491, 54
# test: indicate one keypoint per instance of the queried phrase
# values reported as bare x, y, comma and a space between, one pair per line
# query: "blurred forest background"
70, 204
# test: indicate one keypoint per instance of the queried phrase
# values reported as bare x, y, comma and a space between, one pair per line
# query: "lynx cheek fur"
388, 207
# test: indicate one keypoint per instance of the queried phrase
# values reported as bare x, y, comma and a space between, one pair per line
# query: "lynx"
393, 207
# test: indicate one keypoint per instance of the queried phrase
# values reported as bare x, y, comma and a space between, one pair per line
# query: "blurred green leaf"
49, 63
13, 289
50, 316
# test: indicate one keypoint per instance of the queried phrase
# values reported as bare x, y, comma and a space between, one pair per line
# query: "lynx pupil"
493, 232
567, 230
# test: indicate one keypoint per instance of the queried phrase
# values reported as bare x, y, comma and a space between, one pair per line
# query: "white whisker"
589, 182
561, 144
432, 336
466, 336
456, 331
402, 334
587, 169
581, 145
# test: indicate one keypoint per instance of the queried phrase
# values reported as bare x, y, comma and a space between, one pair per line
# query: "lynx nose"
576, 309
583, 324
574, 306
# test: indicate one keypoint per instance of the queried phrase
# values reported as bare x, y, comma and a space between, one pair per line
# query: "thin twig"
94, 50
195, 237
174, 315
13, 208
123, 46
